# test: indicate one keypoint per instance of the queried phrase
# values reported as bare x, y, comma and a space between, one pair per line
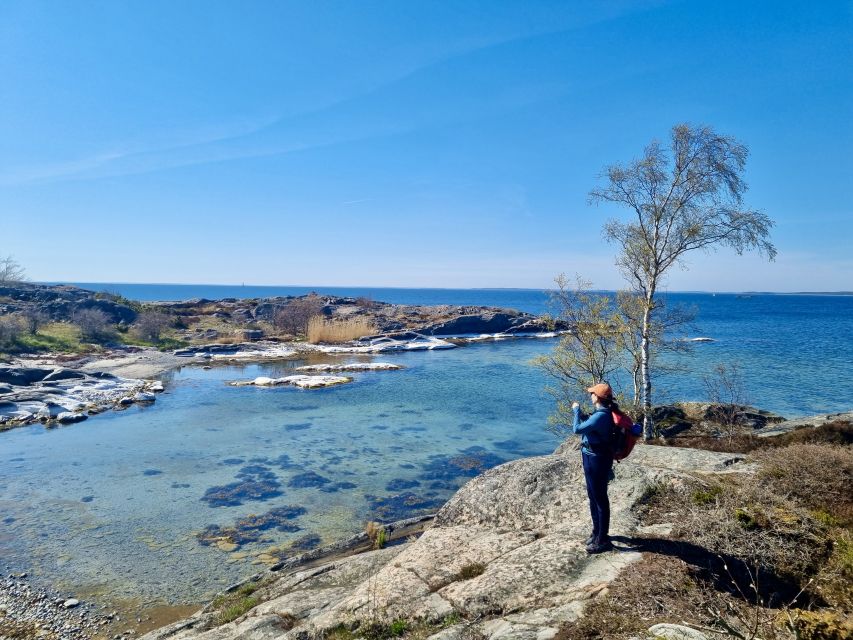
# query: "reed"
335, 331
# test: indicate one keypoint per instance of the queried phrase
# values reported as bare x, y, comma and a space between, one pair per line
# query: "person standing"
596, 433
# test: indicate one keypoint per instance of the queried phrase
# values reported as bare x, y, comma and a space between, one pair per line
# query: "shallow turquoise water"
116, 500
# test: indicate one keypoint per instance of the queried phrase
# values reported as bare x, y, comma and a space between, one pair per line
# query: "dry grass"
818, 476
336, 331
767, 556
839, 432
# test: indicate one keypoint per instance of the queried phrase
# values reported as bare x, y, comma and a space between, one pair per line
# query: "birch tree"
682, 198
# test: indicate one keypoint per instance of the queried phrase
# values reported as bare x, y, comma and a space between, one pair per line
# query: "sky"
407, 143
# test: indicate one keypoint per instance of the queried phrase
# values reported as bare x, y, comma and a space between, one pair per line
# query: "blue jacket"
596, 431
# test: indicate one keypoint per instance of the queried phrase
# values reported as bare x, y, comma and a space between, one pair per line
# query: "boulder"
22, 376
69, 417
485, 322
666, 631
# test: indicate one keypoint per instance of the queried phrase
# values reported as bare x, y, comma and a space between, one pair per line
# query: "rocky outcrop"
62, 302
504, 558
64, 396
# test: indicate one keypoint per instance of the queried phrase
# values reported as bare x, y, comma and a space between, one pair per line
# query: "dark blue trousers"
596, 470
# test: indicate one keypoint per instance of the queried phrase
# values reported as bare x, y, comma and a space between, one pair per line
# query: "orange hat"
602, 390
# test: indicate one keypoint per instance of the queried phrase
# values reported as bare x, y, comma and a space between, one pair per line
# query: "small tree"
726, 390
94, 325
689, 197
11, 272
149, 325
591, 351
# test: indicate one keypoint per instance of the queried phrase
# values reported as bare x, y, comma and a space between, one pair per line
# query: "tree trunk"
648, 423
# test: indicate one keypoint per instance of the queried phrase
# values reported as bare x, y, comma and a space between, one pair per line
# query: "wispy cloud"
396, 106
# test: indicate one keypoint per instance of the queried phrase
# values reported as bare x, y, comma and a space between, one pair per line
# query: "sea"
134, 504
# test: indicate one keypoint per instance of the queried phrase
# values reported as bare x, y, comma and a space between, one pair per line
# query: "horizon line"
299, 286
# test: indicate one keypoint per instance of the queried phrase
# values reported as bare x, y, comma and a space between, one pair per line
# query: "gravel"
29, 610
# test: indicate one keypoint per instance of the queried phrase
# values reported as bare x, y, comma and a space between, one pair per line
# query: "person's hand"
575, 405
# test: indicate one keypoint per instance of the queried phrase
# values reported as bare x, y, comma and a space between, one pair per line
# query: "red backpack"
625, 434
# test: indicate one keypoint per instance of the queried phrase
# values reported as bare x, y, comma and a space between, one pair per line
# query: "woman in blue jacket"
596, 433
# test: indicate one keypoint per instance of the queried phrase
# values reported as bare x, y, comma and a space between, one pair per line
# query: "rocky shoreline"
63, 388
502, 559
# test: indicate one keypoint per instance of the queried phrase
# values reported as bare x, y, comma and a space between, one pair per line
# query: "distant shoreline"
90, 285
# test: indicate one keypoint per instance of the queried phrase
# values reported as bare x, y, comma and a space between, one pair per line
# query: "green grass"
57, 336
63, 337
234, 611
233, 605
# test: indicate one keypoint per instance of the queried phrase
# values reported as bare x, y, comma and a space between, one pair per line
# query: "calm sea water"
117, 503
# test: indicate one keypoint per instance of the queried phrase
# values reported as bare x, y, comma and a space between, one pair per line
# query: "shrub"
817, 475
770, 545
94, 325
471, 570
725, 389
150, 325
34, 319
294, 316
377, 534
322, 330
11, 330
366, 302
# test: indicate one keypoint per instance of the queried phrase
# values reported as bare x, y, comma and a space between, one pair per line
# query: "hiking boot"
589, 540
599, 546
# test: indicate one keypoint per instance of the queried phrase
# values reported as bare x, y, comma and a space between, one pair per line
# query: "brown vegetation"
293, 318
765, 556
838, 432
150, 325
336, 331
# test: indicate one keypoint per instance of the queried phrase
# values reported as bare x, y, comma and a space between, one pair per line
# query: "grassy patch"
471, 570
234, 611
57, 336
234, 604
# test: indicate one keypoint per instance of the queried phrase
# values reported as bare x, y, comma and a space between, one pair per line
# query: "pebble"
37, 611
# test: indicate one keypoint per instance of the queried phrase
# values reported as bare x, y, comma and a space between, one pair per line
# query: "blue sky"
406, 143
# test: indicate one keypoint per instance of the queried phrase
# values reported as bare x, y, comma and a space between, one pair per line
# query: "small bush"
471, 570
366, 302
34, 319
334, 331
819, 476
377, 534
11, 330
294, 316
150, 325
397, 628
822, 625
94, 325
706, 496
